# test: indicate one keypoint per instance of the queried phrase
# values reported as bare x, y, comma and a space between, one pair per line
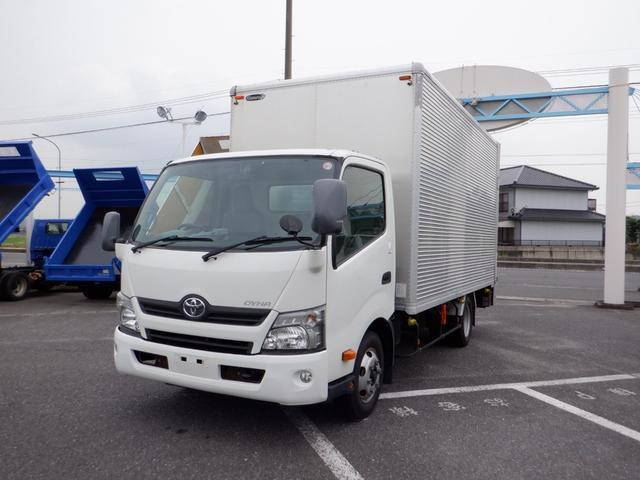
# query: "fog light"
305, 376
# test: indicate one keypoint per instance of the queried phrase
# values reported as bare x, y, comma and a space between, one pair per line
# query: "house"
543, 208
217, 144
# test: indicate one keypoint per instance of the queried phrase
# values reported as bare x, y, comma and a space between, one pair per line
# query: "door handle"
386, 278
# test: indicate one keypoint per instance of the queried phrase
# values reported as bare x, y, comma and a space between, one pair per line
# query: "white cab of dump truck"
354, 220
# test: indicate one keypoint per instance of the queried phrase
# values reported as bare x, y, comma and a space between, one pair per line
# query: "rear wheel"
368, 374
14, 286
461, 337
97, 292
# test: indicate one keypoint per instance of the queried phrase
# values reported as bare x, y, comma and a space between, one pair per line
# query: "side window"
504, 202
56, 228
365, 212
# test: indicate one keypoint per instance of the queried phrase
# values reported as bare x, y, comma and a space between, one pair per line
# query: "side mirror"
110, 231
329, 206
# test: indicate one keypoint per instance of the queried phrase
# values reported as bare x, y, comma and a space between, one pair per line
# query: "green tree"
633, 229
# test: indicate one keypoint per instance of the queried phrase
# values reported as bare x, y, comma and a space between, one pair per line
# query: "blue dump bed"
79, 256
23, 183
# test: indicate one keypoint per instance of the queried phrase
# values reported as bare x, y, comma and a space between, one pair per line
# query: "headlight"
303, 330
127, 313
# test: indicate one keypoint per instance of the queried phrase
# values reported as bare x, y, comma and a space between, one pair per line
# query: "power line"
105, 129
586, 70
119, 110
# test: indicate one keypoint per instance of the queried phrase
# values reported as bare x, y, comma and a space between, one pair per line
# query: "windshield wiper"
170, 238
263, 240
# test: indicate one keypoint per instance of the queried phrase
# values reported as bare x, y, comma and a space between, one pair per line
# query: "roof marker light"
404, 77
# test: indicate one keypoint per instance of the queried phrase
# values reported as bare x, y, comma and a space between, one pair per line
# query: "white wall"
532, 230
546, 198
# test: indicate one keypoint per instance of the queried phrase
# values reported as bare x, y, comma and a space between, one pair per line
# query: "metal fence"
550, 243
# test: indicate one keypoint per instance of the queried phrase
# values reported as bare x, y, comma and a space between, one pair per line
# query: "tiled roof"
551, 215
526, 176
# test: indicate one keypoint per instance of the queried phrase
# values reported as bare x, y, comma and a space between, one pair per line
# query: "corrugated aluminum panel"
455, 214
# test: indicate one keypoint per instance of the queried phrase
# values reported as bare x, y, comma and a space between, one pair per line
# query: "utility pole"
617, 157
59, 169
287, 43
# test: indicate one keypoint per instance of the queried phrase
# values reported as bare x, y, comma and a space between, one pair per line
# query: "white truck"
354, 220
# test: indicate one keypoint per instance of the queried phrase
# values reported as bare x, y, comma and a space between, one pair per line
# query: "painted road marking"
506, 386
584, 396
403, 411
621, 391
337, 463
496, 402
603, 422
451, 406
548, 300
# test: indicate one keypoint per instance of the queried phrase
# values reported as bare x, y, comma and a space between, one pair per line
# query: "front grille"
215, 314
200, 343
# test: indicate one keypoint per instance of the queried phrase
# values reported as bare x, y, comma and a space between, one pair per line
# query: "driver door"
360, 283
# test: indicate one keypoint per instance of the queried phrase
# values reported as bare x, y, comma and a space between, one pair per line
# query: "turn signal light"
348, 355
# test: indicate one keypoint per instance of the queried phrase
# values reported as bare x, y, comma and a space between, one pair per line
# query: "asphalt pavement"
549, 387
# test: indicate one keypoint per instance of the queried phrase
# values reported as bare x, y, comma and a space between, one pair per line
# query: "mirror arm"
311, 245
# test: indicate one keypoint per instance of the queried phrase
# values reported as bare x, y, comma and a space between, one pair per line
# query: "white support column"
617, 153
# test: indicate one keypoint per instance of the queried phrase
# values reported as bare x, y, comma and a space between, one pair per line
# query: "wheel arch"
382, 327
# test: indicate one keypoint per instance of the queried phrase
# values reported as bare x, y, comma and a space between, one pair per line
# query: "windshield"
230, 200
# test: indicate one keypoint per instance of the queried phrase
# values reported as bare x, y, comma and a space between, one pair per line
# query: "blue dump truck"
79, 258
24, 182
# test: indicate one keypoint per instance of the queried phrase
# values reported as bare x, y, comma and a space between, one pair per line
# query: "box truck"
354, 220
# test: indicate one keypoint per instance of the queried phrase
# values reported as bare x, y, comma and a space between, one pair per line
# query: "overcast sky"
68, 57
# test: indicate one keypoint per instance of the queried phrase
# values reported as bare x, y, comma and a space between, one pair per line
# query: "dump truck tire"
14, 286
97, 293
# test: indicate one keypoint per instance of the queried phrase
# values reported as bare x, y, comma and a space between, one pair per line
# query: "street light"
59, 169
199, 117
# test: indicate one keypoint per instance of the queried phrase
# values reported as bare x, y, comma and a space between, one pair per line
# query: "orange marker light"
405, 77
239, 97
348, 355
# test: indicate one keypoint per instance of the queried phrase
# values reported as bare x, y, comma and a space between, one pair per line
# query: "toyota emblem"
193, 308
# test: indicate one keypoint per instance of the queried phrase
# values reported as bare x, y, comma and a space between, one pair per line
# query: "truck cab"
234, 282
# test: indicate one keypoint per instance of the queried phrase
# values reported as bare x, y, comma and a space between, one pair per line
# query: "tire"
14, 286
460, 338
369, 366
97, 292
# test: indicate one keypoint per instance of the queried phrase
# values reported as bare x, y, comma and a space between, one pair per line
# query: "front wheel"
368, 374
97, 292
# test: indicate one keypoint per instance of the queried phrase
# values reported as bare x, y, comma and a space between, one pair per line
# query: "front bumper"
280, 384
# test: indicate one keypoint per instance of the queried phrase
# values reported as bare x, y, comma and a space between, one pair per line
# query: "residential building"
542, 208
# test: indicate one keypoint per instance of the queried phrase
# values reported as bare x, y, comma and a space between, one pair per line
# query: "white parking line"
337, 463
505, 386
603, 422
52, 313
